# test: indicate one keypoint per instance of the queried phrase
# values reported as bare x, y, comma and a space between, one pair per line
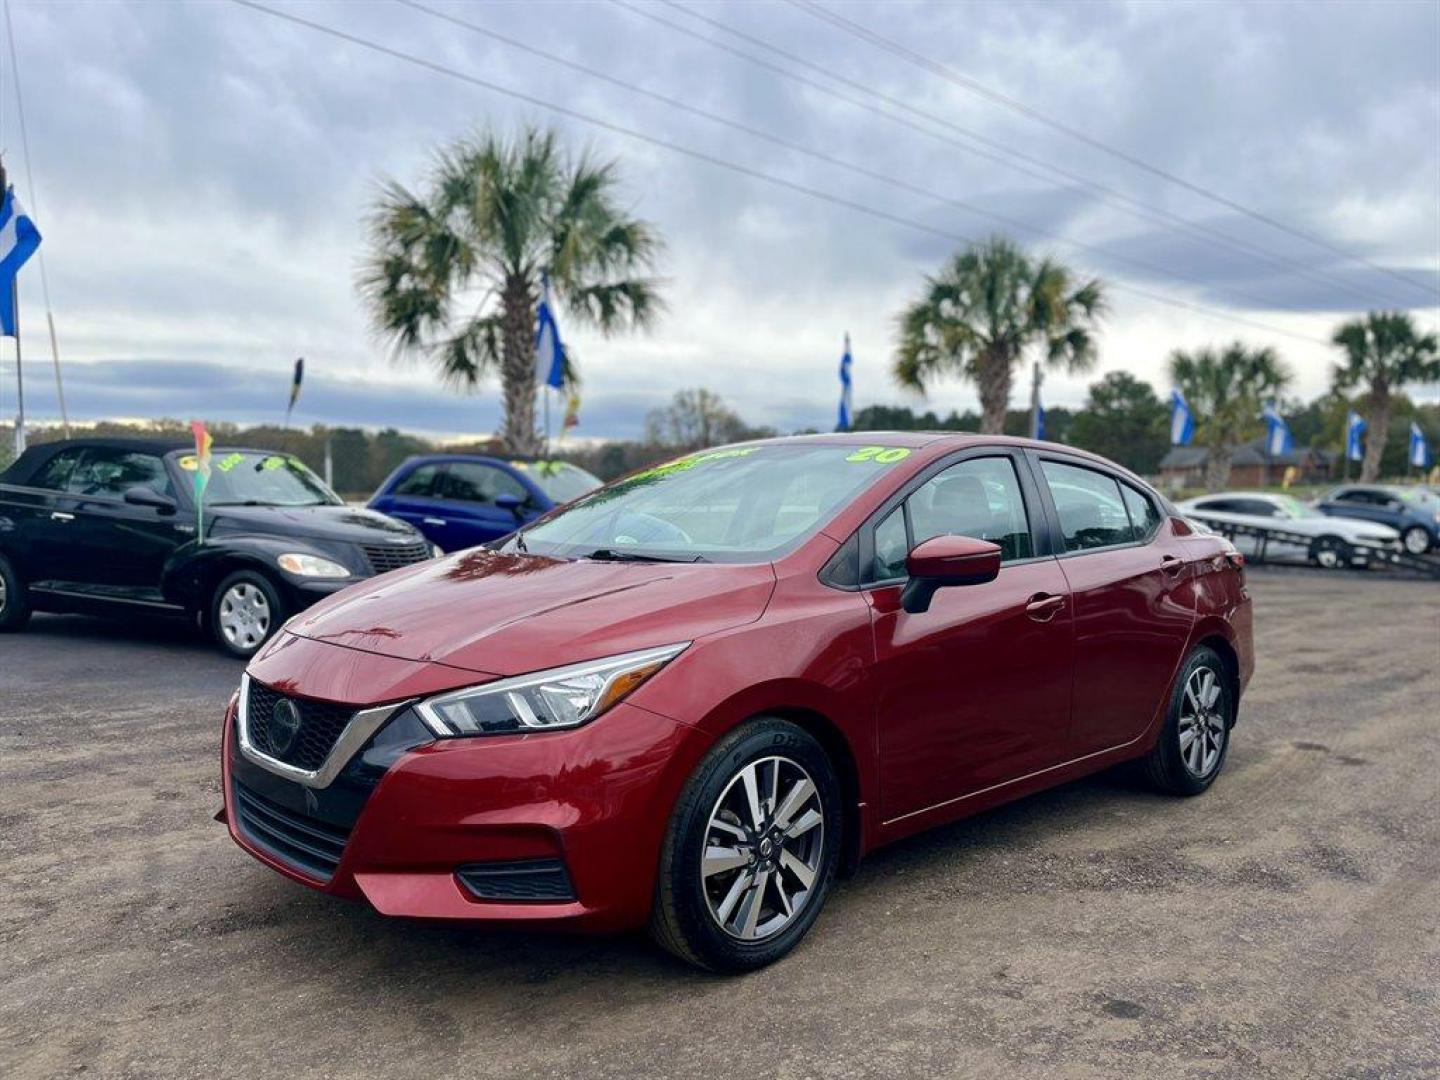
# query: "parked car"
463, 500
108, 527
691, 698
1412, 512
1335, 542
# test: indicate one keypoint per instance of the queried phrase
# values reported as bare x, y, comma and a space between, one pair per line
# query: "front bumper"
596, 799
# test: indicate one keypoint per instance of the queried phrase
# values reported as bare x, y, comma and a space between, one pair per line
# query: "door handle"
1043, 606
432, 521
61, 515
1172, 565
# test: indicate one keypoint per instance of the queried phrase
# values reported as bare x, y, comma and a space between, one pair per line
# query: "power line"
732, 166
1002, 154
818, 155
817, 11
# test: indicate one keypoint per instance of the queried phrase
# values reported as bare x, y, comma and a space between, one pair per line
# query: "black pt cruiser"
108, 526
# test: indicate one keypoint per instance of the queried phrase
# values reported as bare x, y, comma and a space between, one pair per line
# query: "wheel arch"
1231, 659
836, 745
193, 581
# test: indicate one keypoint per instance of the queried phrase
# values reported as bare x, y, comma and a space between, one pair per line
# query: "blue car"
1413, 512
462, 500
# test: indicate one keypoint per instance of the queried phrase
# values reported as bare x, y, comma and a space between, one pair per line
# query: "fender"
192, 570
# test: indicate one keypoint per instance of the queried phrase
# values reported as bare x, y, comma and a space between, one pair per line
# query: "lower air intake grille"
533, 879
385, 557
305, 745
309, 845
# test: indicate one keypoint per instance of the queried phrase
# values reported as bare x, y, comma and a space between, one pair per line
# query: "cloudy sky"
202, 171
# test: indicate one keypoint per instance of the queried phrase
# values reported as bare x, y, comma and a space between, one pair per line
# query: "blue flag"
1419, 451
843, 423
1182, 425
18, 240
1278, 441
549, 350
1355, 426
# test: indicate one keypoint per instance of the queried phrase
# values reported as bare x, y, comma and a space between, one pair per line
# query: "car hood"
347, 523
1351, 529
508, 614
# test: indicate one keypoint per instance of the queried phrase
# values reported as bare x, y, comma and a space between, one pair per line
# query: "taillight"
1237, 562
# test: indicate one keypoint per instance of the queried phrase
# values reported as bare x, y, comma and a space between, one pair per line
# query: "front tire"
1192, 746
751, 850
14, 601
1330, 552
1416, 540
245, 610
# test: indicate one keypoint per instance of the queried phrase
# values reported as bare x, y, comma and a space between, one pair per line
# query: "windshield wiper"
611, 555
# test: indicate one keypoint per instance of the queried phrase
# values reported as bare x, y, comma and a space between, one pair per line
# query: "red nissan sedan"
694, 697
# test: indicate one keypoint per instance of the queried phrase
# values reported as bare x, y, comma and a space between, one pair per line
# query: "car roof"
1240, 495
485, 459
36, 457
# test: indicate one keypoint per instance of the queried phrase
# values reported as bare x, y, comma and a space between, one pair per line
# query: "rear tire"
1193, 744
14, 601
1416, 540
245, 610
751, 849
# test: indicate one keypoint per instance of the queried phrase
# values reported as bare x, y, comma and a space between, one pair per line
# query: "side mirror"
513, 503
943, 561
147, 496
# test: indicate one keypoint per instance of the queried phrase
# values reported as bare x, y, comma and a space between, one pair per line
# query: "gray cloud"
204, 170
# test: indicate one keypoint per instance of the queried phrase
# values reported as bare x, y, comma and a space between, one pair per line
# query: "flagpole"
1035, 402
19, 372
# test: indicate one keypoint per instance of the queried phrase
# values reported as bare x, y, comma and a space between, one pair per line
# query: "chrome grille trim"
357, 733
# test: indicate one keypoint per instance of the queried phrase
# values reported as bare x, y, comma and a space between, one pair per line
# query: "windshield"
1294, 508
1419, 496
731, 505
251, 478
559, 479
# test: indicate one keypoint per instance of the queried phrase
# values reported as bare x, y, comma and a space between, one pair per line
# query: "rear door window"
110, 472
1092, 511
55, 473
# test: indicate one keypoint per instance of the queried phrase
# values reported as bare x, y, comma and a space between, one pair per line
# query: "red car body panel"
1059, 667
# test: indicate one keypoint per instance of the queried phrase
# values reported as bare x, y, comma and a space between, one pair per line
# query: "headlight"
311, 566
551, 700
436, 551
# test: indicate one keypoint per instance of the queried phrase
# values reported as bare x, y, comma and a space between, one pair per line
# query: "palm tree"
980, 313
1384, 351
1226, 389
454, 272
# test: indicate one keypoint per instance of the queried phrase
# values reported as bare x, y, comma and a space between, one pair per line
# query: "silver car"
1330, 541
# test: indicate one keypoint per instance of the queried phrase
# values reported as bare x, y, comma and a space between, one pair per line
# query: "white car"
1333, 541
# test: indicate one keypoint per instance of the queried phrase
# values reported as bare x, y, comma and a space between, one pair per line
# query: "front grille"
532, 879
385, 557
320, 726
308, 844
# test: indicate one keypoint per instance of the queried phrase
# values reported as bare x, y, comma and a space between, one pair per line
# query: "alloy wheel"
1202, 726
244, 615
764, 849
4, 594
1417, 541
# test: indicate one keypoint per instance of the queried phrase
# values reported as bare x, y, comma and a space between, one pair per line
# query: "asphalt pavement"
1285, 924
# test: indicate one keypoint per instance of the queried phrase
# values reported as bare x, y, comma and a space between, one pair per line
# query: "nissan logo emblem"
284, 726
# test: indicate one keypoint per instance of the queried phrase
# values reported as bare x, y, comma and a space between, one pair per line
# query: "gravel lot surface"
1285, 924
